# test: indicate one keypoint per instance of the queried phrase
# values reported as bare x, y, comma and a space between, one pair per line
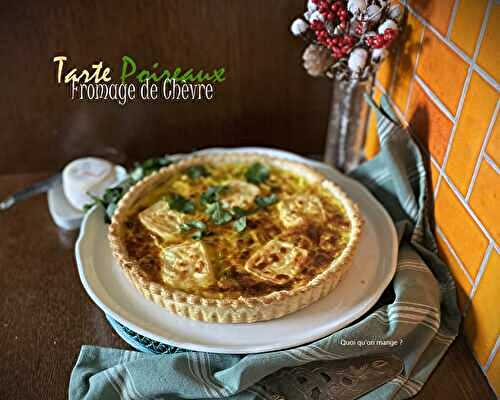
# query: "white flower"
395, 12
311, 6
356, 6
298, 27
373, 13
357, 60
378, 55
387, 24
316, 16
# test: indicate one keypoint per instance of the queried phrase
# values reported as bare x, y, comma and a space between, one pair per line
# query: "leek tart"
235, 237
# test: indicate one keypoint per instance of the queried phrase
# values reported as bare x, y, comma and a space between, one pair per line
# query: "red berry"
317, 25
343, 25
321, 33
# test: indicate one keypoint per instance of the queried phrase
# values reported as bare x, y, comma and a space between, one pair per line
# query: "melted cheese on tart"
161, 220
279, 260
299, 209
240, 194
187, 266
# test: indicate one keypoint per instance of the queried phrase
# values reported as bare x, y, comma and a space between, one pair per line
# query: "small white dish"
373, 268
63, 213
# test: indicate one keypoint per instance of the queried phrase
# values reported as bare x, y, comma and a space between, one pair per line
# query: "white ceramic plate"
373, 267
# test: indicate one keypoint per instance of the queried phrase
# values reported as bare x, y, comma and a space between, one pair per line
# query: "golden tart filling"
238, 229
235, 237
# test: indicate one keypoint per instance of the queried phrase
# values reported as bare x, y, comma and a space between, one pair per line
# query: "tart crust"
243, 309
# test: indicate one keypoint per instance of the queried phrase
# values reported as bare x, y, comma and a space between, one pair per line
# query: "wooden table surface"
45, 314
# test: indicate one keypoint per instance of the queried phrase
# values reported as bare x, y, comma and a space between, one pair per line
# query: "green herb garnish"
240, 224
197, 171
141, 170
180, 203
193, 224
200, 226
264, 201
218, 214
211, 195
257, 173
198, 235
240, 212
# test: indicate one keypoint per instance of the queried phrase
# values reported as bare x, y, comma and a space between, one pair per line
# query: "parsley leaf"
212, 194
239, 212
197, 171
240, 224
193, 224
218, 214
200, 226
180, 203
147, 167
264, 201
257, 173
198, 235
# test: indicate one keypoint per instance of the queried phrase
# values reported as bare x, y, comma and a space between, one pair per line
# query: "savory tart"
235, 237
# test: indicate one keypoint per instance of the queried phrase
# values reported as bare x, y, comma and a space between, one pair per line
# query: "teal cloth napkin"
421, 315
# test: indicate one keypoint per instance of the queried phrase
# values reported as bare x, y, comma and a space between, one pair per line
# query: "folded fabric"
418, 311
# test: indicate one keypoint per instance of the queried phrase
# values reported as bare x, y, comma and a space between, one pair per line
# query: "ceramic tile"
494, 374
434, 172
411, 38
437, 12
488, 54
386, 71
467, 25
493, 146
485, 199
460, 229
464, 287
472, 126
442, 70
428, 123
482, 322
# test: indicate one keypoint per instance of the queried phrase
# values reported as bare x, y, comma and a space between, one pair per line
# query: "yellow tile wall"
443, 82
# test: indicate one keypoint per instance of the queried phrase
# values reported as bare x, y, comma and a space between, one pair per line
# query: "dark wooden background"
267, 98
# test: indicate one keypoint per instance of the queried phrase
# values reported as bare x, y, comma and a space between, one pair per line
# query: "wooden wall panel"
267, 99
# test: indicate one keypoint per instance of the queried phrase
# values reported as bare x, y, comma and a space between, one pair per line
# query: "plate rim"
253, 349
